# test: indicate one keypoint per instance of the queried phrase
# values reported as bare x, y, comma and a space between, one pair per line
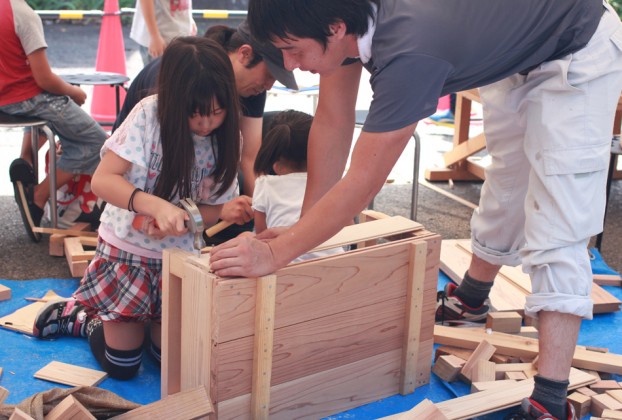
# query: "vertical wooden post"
263, 346
414, 314
171, 328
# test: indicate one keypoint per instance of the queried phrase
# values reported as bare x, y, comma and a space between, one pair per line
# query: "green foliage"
617, 4
74, 4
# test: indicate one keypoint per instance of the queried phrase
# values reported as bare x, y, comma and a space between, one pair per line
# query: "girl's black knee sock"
119, 364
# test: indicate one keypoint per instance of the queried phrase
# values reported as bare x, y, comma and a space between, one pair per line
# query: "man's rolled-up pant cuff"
555, 302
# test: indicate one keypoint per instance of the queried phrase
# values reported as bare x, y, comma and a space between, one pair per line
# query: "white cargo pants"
549, 136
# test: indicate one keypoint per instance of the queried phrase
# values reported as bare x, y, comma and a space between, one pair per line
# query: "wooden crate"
313, 339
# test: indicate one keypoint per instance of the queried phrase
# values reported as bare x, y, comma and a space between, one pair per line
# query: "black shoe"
61, 317
23, 178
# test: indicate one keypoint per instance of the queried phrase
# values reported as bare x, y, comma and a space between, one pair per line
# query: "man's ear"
338, 29
245, 54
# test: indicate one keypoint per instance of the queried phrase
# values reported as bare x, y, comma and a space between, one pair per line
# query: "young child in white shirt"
281, 168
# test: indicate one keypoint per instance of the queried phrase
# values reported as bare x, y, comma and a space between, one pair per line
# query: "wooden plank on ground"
77, 256
524, 346
425, 410
23, 320
489, 401
64, 373
193, 403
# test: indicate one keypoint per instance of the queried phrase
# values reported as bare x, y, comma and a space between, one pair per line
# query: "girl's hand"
169, 220
238, 210
244, 256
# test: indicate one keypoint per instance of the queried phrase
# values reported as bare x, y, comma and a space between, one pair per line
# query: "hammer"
194, 224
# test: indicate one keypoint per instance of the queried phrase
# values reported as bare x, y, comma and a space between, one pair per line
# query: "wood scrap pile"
191, 404
500, 367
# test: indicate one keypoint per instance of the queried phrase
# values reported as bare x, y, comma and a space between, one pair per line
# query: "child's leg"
155, 346
117, 346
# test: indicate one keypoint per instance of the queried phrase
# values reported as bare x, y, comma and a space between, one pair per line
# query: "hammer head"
195, 224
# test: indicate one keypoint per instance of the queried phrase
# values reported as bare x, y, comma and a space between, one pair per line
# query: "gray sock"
473, 292
552, 395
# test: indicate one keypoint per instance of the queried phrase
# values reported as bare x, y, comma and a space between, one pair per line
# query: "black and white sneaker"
62, 317
450, 310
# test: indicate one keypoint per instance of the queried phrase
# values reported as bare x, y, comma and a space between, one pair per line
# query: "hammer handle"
222, 225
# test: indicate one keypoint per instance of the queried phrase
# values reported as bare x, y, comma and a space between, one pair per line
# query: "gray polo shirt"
424, 49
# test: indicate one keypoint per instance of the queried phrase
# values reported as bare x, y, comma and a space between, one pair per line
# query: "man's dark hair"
274, 19
231, 41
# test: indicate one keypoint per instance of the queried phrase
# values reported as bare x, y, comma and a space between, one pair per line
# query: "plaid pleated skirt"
121, 286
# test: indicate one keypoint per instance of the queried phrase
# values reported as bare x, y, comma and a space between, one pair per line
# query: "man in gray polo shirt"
550, 74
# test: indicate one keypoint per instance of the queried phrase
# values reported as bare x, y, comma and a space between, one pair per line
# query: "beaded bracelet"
130, 203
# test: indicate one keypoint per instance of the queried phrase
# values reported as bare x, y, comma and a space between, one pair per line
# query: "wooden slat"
171, 326
64, 373
315, 345
425, 410
370, 230
196, 337
327, 392
23, 320
3, 394
410, 372
263, 347
492, 400
66, 232
193, 403
523, 346
465, 149
322, 287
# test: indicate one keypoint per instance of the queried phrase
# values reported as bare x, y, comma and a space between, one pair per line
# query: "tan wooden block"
615, 393
611, 414
77, 255
601, 387
502, 359
67, 374
586, 391
483, 371
19, 415
581, 403
69, 409
459, 352
57, 240
5, 293
3, 394
528, 331
193, 403
517, 376
507, 322
483, 351
485, 386
601, 402
448, 367
502, 369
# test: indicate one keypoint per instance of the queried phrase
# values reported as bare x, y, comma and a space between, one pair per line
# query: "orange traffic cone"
110, 58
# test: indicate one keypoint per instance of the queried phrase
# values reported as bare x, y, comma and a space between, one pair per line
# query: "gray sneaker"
450, 310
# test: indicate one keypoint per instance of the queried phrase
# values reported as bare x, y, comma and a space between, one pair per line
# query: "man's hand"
243, 256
